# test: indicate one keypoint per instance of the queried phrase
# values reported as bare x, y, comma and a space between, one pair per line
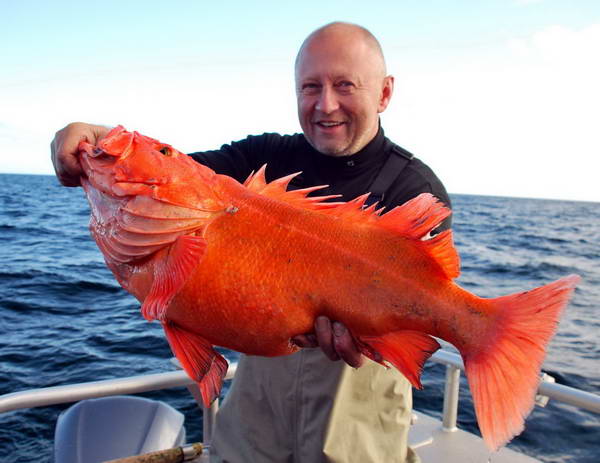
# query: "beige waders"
306, 408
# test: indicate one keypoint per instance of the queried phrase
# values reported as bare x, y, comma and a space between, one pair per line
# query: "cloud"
560, 45
193, 108
514, 121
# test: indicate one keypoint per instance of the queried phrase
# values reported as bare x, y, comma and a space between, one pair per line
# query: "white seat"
96, 430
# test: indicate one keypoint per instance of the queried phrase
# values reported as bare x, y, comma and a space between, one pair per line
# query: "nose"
327, 102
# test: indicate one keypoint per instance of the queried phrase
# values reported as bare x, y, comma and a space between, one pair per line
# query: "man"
303, 407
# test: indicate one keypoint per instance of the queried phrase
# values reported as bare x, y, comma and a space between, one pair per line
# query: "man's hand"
64, 150
334, 339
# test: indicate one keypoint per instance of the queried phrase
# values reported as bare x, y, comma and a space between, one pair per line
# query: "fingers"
64, 154
334, 339
324, 333
66, 167
345, 347
305, 340
337, 342
64, 150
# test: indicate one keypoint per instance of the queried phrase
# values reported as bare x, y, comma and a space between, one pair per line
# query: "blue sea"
64, 319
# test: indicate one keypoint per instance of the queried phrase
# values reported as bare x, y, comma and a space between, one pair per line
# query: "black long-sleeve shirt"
350, 176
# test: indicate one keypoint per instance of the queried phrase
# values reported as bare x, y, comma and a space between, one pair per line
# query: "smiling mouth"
329, 124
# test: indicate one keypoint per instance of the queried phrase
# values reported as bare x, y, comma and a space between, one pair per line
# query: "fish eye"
165, 151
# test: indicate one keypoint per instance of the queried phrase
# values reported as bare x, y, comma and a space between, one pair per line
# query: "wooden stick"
176, 455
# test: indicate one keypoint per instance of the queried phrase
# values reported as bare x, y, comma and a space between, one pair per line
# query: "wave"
64, 319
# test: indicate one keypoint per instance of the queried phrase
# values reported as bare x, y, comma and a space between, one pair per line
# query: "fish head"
144, 195
125, 163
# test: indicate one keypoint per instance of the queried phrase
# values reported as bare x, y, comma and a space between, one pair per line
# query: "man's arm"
64, 151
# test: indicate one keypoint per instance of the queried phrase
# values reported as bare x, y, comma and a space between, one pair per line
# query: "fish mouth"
100, 164
96, 165
97, 152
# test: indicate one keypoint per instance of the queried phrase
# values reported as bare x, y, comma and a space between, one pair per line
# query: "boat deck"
433, 444
434, 440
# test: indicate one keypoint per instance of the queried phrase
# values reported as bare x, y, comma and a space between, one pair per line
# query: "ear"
386, 93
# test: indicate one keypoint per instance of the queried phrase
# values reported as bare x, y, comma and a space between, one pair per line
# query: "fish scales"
244, 269
248, 267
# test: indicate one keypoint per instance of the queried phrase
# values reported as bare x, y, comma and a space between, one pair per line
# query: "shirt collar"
371, 153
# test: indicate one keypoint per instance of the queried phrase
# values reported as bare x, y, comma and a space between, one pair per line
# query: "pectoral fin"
406, 350
171, 273
199, 360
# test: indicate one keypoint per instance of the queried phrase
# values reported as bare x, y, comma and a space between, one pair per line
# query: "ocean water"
64, 319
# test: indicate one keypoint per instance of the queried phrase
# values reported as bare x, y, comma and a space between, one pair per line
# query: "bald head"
341, 86
347, 35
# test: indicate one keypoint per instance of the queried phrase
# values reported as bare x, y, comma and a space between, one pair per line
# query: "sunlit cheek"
305, 107
306, 101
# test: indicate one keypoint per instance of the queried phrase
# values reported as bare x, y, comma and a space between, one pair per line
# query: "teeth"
330, 124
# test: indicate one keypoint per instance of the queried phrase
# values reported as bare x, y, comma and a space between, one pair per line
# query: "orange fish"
248, 267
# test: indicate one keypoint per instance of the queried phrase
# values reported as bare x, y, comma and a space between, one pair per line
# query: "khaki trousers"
306, 408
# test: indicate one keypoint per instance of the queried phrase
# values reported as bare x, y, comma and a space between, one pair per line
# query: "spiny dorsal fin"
277, 189
416, 217
256, 180
441, 248
414, 220
354, 210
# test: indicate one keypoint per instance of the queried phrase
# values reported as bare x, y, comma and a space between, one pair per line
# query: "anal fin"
199, 360
406, 350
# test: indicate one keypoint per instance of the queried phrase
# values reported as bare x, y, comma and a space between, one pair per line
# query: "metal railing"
152, 382
546, 390
55, 395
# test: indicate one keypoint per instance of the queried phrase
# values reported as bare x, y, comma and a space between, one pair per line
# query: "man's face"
341, 89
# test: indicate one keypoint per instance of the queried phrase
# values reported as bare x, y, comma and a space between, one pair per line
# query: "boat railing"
152, 382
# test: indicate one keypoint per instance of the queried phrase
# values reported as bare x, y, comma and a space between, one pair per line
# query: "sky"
498, 97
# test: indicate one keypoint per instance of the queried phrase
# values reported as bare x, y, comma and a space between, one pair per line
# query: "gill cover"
144, 195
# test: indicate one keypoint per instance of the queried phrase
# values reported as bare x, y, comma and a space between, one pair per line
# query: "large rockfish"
248, 267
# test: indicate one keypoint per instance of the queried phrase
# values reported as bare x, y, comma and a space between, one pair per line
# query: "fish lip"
96, 152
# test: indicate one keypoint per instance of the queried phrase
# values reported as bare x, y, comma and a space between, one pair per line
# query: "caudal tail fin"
504, 375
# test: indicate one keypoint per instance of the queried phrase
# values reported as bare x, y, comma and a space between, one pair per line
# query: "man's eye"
345, 85
310, 88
